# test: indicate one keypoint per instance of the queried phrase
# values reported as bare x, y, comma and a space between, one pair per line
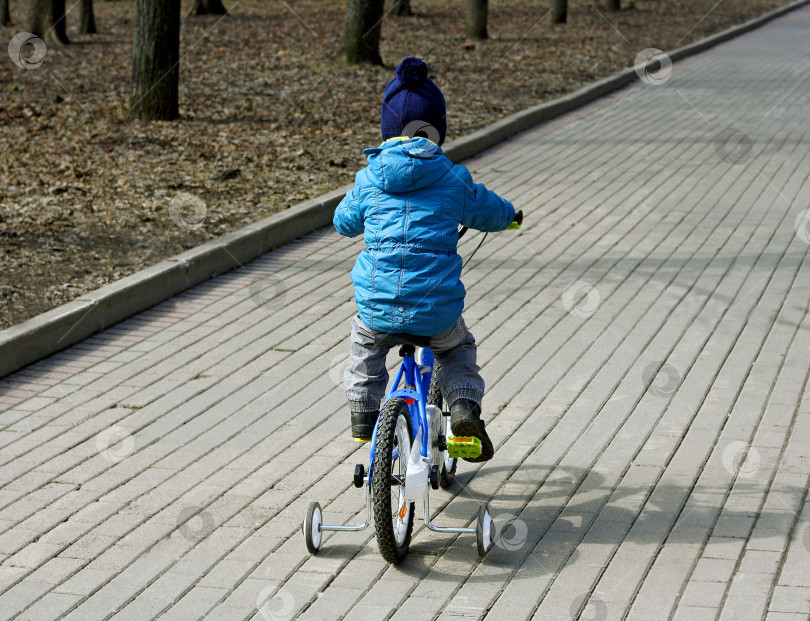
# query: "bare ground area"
270, 117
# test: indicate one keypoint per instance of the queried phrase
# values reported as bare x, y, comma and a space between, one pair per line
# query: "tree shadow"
542, 536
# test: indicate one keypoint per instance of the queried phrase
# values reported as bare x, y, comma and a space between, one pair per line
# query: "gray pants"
367, 377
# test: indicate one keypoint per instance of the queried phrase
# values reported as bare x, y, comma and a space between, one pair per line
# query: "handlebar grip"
516, 222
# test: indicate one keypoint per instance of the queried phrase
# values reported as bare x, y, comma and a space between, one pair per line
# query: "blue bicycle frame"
418, 376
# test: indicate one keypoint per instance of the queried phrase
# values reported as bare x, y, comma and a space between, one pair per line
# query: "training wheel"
483, 530
312, 528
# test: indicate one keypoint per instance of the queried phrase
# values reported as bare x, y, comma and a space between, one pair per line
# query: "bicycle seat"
391, 340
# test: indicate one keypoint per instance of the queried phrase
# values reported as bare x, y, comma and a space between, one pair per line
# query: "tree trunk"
403, 8
155, 60
612, 5
46, 19
208, 7
477, 19
87, 22
559, 11
361, 33
5, 16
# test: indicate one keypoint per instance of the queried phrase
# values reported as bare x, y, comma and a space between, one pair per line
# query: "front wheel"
447, 464
393, 514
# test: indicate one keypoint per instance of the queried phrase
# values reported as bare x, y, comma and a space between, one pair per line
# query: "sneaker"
363, 425
465, 421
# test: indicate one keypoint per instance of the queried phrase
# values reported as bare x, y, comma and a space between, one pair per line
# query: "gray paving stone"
21, 595
332, 603
86, 580
747, 595
785, 616
50, 607
760, 561
715, 569
368, 612
790, 599
703, 594
195, 604
695, 613
33, 555
157, 597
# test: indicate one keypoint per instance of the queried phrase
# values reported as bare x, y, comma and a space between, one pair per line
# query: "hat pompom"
412, 71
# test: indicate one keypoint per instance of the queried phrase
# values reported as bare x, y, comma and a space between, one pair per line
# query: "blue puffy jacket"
409, 201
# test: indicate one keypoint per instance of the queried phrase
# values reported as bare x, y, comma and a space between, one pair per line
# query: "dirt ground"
270, 116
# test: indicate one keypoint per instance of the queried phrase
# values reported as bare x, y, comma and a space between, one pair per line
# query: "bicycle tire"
389, 428
435, 391
483, 531
312, 532
446, 474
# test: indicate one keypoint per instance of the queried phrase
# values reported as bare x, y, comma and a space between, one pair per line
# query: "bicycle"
410, 454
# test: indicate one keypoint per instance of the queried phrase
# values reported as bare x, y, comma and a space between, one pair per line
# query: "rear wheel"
393, 514
447, 471
447, 464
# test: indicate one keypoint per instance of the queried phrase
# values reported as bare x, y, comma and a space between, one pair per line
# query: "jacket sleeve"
483, 209
348, 218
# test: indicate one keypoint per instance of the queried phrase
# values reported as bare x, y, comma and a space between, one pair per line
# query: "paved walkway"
646, 348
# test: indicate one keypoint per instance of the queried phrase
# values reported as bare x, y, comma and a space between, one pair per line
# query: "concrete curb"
70, 323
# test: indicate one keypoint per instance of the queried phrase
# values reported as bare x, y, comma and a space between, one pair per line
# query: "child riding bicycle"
408, 202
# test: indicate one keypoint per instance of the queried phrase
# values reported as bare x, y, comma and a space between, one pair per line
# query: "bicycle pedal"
464, 447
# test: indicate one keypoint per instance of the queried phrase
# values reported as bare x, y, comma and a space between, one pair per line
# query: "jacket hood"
403, 164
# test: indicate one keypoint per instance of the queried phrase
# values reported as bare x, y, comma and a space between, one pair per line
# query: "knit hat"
413, 105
